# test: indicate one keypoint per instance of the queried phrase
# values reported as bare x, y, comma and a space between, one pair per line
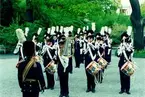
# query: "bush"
139, 54
117, 30
8, 36
63, 13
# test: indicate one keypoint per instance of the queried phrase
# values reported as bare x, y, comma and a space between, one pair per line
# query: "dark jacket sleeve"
40, 76
20, 71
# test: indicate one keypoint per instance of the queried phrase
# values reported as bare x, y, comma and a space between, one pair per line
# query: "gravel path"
77, 81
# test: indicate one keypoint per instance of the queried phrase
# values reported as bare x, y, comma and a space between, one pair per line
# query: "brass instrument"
67, 50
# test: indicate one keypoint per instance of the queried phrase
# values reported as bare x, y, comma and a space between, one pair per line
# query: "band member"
81, 40
30, 76
107, 42
124, 52
37, 43
21, 38
77, 51
48, 56
100, 53
89, 55
71, 64
63, 69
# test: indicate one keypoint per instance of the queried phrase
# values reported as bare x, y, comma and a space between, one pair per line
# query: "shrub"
139, 54
117, 30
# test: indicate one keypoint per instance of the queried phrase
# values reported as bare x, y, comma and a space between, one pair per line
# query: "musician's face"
90, 39
101, 42
54, 37
49, 43
81, 37
124, 37
61, 46
76, 38
97, 40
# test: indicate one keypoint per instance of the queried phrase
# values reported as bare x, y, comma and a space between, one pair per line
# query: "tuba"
65, 53
68, 46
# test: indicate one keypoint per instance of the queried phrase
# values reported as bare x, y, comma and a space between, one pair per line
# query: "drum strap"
27, 68
97, 47
63, 60
49, 54
124, 53
109, 45
92, 57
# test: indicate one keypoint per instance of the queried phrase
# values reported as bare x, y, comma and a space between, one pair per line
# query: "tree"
143, 9
29, 11
137, 25
6, 12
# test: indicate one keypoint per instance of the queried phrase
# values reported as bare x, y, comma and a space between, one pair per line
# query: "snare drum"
102, 62
128, 68
51, 68
93, 68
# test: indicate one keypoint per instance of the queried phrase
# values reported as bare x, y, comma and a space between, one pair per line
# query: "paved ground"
77, 82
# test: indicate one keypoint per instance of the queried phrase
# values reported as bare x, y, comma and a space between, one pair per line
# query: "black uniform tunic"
34, 81
77, 53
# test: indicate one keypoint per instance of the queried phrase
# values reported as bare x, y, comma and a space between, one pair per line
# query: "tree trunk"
137, 25
6, 12
29, 11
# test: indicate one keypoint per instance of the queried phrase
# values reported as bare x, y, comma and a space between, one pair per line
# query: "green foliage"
139, 54
8, 37
78, 13
143, 9
116, 33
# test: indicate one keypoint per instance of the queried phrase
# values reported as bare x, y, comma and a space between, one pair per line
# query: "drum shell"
93, 68
50, 68
102, 62
128, 68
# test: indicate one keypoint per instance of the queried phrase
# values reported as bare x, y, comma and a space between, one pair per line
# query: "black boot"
88, 90
121, 92
93, 90
127, 92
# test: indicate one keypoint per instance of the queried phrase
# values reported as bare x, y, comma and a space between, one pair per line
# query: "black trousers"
70, 65
90, 81
30, 94
63, 79
82, 58
77, 59
124, 81
50, 80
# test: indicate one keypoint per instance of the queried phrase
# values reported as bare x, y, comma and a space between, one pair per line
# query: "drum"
51, 68
128, 68
102, 62
93, 68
